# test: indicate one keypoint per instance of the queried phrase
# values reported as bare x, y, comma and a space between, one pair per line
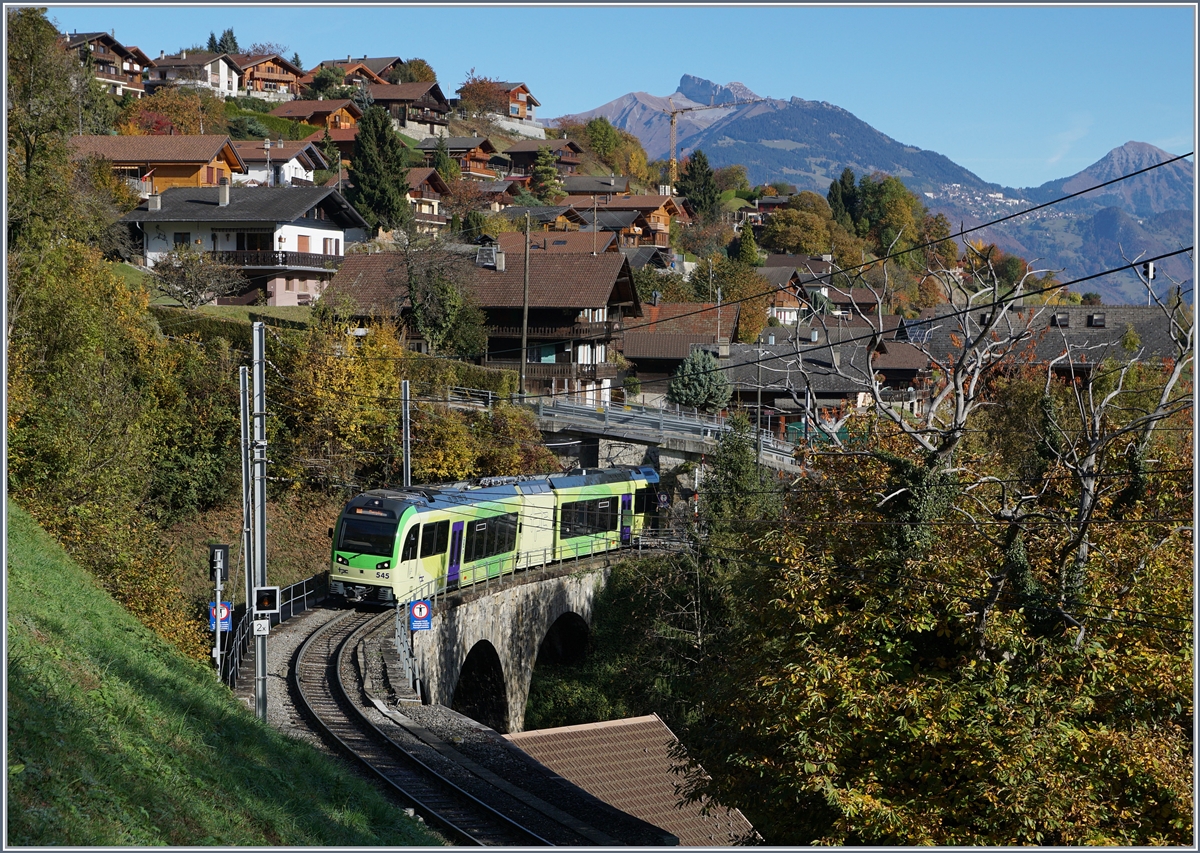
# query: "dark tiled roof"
668, 329
628, 764
252, 151
371, 283
305, 109
420, 175
543, 214
778, 276
337, 134
192, 58
641, 256
405, 91
245, 60
458, 143
532, 146
583, 184
564, 281
247, 204
784, 370
610, 220
573, 242
154, 149
1081, 331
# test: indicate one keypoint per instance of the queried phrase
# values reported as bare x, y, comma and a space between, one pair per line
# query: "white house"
283, 163
287, 241
215, 72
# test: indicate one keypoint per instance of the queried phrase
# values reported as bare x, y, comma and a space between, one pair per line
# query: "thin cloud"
1081, 125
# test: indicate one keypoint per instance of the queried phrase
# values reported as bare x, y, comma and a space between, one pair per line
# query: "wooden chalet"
152, 164
118, 68
354, 73
658, 211
268, 76
283, 163
419, 108
578, 304
470, 152
216, 72
523, 155
521, 103
331, 114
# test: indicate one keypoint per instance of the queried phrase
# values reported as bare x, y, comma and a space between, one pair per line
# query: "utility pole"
260, 508
525, 312
758, 417
247, 526
407, 437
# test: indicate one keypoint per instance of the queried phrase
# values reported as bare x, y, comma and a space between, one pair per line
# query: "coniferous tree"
699, 382
442, 164
212, 46
543, 182
698, 186
379, 172
227, 43
747, 247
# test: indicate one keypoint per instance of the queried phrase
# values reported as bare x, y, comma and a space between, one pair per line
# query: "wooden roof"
148, 150
628, 764
308, 109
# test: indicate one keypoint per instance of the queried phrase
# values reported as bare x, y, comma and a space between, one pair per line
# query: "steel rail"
318, 676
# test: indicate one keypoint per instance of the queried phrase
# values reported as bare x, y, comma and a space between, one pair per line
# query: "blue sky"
1020, 95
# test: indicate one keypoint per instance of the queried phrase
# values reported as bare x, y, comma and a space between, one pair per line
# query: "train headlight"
343, 560
384, 565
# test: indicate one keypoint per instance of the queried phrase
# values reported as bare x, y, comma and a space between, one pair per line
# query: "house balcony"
267, 260
429, 218
426, 117
129, 81
279, 76
540, 370
425, 194
591, 332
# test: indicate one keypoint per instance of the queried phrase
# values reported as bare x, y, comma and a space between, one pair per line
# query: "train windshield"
368, 536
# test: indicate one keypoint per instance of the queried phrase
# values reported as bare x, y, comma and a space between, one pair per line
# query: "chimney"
499, 261
162, 54
223, 193
654, 297
183, 54
154, 202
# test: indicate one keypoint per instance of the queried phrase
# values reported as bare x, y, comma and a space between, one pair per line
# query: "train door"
405, 577
626, 518
455, 560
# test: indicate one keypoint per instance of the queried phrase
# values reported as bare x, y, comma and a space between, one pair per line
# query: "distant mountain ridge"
809, 143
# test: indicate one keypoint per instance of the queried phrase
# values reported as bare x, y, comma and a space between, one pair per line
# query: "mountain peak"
707, 92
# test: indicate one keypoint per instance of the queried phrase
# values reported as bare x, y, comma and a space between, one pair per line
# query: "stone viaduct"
479, 654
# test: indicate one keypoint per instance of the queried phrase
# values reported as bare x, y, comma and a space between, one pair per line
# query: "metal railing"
293, 600
274, 259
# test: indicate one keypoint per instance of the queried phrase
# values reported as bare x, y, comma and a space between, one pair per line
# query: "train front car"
364, 564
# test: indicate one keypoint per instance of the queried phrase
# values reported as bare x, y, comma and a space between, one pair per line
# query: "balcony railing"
541, 370
279, 260
594, 331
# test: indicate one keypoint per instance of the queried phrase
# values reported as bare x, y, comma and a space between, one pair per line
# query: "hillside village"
960, 615
285, 213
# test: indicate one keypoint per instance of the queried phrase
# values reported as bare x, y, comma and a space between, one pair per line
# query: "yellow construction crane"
674, 111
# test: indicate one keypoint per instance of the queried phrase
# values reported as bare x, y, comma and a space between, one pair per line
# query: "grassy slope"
114, 739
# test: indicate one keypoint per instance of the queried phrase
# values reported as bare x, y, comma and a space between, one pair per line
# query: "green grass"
115, 739
296, 313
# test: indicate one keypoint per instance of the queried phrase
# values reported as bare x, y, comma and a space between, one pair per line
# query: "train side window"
639, 501
605, 517
435, 538
409, 552
567, 524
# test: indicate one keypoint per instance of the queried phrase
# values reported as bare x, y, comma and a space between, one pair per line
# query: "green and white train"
398, 545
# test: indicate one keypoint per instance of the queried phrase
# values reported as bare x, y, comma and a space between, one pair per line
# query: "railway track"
326, 681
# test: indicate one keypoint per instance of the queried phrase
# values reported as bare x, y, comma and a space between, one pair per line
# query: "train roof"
396, 500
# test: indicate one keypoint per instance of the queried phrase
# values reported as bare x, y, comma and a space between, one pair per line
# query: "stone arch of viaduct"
513, 622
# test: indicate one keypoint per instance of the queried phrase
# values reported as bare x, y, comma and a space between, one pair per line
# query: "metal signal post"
260, 509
